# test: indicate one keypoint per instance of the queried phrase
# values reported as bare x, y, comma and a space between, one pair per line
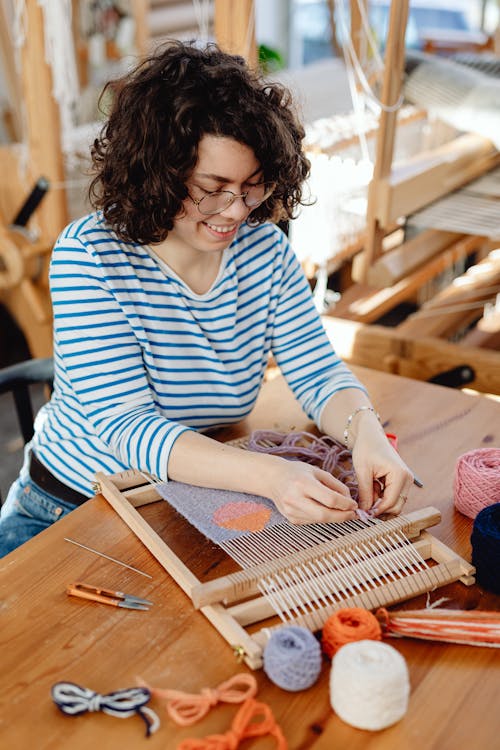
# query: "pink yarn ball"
477, 481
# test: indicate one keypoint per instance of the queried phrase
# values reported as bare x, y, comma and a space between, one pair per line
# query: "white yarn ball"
369, 685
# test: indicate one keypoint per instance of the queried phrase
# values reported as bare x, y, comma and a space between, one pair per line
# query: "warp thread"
188, 708
292, 658
477, 481
349, 625
485, 541
253, 719
369, 685
74, 700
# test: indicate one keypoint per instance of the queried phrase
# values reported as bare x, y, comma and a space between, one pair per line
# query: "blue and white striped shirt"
140, 357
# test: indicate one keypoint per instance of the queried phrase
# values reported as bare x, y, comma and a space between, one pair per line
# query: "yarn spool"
292, 658
349, 625
369, 685
477, 481
485, 541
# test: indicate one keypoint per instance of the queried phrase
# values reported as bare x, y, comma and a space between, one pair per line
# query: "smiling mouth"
221, 229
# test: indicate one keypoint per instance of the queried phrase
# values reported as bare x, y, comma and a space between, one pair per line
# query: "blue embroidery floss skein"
292, 658
485, 541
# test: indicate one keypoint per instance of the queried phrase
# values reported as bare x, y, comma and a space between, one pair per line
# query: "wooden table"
46, 637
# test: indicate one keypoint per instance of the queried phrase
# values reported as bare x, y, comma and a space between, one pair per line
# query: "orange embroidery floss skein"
349, 625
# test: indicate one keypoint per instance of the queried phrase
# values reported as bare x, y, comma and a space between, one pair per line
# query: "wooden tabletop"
47, 637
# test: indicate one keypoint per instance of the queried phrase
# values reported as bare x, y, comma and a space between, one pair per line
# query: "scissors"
105, 596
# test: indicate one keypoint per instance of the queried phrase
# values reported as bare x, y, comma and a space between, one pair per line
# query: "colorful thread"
349, 625
485, 541
188, 708
477, 480
369, 685
253, 719
471, 627
75, 700
292, 658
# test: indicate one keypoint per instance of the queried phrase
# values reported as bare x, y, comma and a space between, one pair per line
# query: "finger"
332, 482
398, 507
384, 505
330, 498
367, 493
313, 512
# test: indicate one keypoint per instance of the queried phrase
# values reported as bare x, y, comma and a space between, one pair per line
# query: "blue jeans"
27, 510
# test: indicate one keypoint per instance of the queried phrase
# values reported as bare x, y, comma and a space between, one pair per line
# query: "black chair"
17, 379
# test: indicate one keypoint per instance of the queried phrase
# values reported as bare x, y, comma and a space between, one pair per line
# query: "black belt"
48, 482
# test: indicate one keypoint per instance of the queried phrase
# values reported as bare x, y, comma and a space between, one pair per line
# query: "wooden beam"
362, 303
459, 304
407, 257
42, 120
431, 175
139, 9
391, 91
11, 79
235, 28
390, 351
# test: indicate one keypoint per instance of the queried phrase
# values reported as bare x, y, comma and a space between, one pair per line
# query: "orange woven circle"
348, 625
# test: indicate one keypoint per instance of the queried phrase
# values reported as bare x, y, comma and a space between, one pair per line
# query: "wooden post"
13, 118
42, 122
235, 28
139, 9
391, 91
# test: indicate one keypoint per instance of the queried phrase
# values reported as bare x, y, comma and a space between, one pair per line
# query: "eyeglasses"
218, 201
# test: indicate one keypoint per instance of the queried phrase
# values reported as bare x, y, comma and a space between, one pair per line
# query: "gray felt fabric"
208, 510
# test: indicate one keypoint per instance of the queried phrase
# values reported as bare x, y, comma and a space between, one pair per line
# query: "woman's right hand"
307, 494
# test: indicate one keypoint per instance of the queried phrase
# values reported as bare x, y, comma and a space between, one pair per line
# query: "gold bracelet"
351, 417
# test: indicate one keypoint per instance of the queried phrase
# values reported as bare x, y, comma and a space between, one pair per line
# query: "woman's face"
223, 164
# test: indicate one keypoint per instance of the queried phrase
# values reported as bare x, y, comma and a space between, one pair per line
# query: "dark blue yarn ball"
485, 541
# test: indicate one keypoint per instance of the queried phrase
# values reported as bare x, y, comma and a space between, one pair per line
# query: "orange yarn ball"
348, 625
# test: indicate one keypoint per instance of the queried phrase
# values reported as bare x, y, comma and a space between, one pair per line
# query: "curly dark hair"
148, 147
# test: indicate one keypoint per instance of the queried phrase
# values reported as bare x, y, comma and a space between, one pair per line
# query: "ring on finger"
402, 499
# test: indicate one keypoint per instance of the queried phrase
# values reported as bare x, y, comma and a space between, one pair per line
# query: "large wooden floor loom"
286, 574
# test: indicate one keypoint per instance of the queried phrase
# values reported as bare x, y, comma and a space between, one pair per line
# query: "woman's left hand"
384, 480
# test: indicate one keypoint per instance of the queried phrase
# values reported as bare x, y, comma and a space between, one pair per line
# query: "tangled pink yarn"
477, 481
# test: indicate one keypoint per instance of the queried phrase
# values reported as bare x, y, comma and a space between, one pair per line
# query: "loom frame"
127, 491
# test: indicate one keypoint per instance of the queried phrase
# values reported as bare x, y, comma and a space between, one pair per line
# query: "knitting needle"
101, 554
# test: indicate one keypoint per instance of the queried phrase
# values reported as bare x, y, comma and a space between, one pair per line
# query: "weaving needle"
113, 559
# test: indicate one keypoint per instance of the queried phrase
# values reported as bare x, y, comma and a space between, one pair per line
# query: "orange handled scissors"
106, 596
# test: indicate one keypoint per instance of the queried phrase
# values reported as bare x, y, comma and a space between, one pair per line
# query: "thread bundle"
369, 685
292, 658
476, 483
485, 541
348, 625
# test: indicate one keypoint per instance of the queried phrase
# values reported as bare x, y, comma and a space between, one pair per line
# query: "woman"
170, 298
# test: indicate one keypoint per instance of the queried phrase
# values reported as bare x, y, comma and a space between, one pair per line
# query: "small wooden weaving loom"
300, 574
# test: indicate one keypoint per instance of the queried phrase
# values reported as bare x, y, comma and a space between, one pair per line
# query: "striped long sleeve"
140, 357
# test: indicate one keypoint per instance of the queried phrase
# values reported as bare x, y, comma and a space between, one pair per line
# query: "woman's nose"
238, 210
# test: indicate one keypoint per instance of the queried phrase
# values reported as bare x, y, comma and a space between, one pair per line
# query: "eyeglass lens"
217, 202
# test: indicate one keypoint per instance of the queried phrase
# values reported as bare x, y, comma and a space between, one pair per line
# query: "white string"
202, 12
372, 43
350, 54
60, 55
19, 27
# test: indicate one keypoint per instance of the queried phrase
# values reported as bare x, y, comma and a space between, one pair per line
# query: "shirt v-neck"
171, 274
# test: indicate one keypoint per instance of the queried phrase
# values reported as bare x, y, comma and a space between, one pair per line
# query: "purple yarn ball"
292, 658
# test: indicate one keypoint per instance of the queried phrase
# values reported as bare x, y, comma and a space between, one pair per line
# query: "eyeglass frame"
234, 196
